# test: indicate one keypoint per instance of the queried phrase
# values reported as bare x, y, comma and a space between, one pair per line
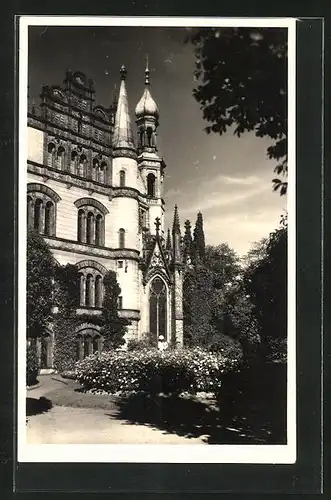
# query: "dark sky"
227, 178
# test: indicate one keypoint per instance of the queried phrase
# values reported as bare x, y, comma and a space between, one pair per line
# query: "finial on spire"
157, 225
147, 72
123, 72
168, 242
176, 225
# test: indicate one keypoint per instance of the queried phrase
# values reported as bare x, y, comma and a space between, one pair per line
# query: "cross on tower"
157, 224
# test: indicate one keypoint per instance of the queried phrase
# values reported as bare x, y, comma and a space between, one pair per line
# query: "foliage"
266, 282
31, 363
40, 273
187, 241
198, 297
173, 371
148, 341
224, 263
114, 327
66, 321
198, 240
241, 76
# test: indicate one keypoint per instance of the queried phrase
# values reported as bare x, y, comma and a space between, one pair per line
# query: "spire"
176, 225
123, 137
187, 240
147, 72
147, 106
168, 242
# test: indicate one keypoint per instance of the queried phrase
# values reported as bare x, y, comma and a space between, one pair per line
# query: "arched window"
60, 158
122, 178
151, 185
89, 341
121, 238
73, 165
90, 228
49, 218
96, 344
41, 208
82, 294
158, 308
29, 211
99, 230
89, 290
82, 166
95, 167
150, 136
81, 227
91, 221
98, 291
102, 172
37, 215
51, 154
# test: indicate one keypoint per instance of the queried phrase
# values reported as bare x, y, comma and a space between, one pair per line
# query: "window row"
76, 164
92, 290
41, 215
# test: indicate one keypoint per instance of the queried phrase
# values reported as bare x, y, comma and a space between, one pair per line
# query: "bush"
227, 346
148, 341
31, 364
173, 371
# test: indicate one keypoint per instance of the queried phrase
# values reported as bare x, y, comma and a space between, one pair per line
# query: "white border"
276, 454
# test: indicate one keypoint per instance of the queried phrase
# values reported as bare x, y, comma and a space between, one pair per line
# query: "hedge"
172, 371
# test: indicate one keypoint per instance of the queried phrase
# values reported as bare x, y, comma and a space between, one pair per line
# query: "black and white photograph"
156, 240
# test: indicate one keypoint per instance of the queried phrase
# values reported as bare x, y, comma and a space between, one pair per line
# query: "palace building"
95, 192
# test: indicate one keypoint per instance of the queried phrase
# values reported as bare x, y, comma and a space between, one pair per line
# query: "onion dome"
147, 106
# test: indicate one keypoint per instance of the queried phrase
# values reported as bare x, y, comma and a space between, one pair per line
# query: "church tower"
151, 166
125, 209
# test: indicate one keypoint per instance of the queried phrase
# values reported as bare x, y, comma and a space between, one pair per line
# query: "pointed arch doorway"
158, 308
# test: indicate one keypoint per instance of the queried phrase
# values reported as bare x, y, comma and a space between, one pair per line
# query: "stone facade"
96, 195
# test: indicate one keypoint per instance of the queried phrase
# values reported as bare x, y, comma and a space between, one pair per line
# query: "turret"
147, 115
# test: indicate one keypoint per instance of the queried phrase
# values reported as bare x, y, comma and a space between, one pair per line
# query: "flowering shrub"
171, 371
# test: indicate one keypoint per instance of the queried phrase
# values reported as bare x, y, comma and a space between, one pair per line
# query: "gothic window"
121, 238
158, 307
122, 178
91, 221
41, 208
87, 346
151, 185
90, 228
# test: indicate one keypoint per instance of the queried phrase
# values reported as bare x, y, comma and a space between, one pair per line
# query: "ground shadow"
249, 410
37, 406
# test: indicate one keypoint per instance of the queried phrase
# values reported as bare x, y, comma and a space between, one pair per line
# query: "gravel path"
67, 425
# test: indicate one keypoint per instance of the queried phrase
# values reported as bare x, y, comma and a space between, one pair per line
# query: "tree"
223, 262
266, 283
187, 240
114, 327
199, 239
241, 76
40, 275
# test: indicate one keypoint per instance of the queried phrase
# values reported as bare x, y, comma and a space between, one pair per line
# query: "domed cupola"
147, 107
147, 118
